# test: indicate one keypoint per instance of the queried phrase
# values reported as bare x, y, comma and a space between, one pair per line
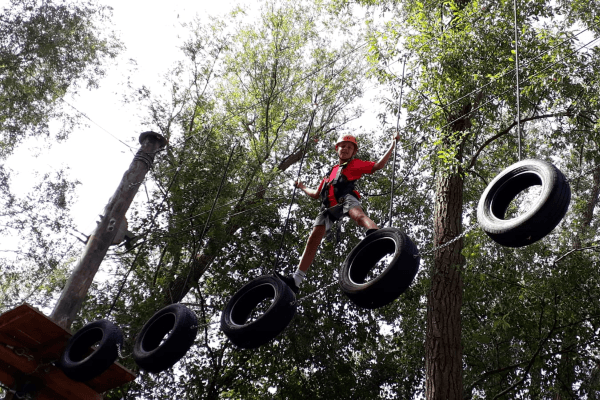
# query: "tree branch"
572, 251
507, 130
529, 365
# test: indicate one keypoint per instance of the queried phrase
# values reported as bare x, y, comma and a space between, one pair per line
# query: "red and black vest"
341, 181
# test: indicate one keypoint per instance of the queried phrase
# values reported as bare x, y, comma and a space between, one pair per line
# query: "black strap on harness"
341, 187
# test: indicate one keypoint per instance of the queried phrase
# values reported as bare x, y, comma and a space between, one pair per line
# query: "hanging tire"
266, 326
80, 362
401, 263
165, 338
547, 212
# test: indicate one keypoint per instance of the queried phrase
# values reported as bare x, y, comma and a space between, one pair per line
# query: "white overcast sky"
149, 31
152, 33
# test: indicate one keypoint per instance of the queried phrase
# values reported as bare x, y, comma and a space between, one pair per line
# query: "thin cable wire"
533, 76
233, 148
507, 90
482, 105
307, 134
284, 181
518, 94
421, 119
433, 38
309, 74
132, 267
95, 123
396, 143
496, 79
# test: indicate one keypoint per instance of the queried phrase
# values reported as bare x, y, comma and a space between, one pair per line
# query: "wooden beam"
79, 282
30, 345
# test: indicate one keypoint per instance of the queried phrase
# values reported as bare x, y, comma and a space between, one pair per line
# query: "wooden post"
73, 294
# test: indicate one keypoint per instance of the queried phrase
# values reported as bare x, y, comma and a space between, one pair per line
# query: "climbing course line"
287, 219
316, 292
97, 124
194, 253
396, 142
139, 250
429, 252
518, 90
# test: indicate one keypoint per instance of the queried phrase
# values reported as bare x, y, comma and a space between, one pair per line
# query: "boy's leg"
312, 246
358, 215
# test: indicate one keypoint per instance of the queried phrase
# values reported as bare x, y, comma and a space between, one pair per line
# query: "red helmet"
347, 138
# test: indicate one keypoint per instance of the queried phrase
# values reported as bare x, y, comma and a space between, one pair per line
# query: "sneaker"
288, 280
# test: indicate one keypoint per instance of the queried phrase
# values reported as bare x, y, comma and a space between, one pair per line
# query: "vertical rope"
139, 250
233, 148
518, 94
287, 219
395, 150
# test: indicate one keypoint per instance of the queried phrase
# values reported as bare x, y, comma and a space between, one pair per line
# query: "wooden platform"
30, 342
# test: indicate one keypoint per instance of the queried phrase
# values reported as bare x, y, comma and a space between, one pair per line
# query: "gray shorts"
329, 216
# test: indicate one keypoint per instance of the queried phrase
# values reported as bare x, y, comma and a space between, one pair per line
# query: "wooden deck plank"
30, 342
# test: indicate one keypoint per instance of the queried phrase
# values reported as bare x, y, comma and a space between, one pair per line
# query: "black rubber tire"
234, 319
79, 362
165, 338
537, 222
395, 278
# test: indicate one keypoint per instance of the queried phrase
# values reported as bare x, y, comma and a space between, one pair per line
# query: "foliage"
36, 258
240, 110
46, 49
524, 333
252, 94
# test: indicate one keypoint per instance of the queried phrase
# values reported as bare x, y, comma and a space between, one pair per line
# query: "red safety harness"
336, 186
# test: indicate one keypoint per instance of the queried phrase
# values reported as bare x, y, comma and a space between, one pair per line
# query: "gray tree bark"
73, 294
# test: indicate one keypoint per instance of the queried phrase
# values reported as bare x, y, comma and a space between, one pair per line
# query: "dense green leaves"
35, 258
46, 49
525, 330
240, 105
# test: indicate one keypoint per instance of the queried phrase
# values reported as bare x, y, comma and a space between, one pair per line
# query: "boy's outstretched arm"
314, 193
383, 160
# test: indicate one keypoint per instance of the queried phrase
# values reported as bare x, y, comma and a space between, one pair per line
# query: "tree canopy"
46, 49
480, 320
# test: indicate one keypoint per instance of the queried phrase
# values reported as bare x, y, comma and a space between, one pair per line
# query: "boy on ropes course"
338, 199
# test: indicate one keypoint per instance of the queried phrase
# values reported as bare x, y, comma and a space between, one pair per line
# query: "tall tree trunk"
566, 369
588, 212
443, 353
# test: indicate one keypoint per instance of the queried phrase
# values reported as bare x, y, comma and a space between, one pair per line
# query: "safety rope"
353, 50
429, 252
587, 171
518, 90
423, 253
557, 259
497, 78
396, 142
529, 78
307, 135
190, 263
